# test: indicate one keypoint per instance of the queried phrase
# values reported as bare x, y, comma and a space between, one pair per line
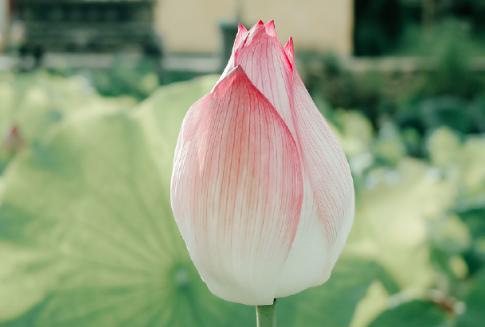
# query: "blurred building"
192, 25
85, 25
358, 27
189, 26
3, 22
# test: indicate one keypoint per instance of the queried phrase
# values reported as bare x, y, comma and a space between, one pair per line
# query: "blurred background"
92, 93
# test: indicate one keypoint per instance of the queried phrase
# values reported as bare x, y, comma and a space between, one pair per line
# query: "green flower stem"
266, 315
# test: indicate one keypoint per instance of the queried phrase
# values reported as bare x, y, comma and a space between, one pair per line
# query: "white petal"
328, 205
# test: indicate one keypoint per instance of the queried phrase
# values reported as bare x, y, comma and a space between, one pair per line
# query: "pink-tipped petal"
328, 205
264, 61
242, 34
259, 52
290, 51
257, 31
270, 28
239, 41
237, 190
241, 28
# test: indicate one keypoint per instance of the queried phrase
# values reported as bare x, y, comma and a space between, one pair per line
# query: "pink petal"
328, 200
237, 190
290, 52
265, 62
270, 28
241, 35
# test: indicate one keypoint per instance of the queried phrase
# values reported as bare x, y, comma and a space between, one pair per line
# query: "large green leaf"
391, 220
416, 313
335, 303
87, 237
87, 229
36, 102
474, 314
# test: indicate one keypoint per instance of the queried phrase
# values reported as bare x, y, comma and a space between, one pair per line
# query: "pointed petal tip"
241, 28
270, 28
289, 43
238, 74
237, 70
290, 51
235, 75
240, 39
257, 31
260, 29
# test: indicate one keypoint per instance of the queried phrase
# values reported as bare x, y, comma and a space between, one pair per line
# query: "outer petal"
237, 190
328, 206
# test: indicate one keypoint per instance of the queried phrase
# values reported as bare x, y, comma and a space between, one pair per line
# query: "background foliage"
87, 237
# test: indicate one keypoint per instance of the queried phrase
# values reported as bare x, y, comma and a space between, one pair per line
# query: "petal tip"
290, 51
270, 28
240, 39
235, 75
257, 31
241, 28
261, 30
237, 70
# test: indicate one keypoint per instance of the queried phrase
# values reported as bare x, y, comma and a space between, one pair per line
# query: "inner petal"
264, 60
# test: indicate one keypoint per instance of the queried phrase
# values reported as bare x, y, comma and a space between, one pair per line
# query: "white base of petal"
247, 295
309, 261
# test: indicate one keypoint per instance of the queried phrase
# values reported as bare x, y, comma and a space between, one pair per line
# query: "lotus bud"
261, 190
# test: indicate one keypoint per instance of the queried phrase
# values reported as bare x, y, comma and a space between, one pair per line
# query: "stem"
266, 315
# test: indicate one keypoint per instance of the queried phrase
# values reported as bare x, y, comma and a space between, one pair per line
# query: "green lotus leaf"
34, 103
391, 220
415, 313
86, 229
335, 303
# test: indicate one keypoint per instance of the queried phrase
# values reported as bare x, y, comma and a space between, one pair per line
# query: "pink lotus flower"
261, 190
